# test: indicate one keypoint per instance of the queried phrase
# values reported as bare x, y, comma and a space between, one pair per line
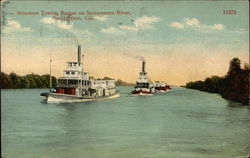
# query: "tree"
38, 81
15, 79
246, 66
107, 78
32, 83
53, 81
24, 83
120, 82
45, 80
234, 67
234, 86
5, 81
28, 81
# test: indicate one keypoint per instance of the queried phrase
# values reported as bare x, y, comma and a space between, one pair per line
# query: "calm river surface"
182, 123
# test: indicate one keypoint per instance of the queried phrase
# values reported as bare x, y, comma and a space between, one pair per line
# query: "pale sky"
181, 41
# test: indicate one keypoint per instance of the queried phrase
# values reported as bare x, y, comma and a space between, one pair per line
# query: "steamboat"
76, 85
143, 85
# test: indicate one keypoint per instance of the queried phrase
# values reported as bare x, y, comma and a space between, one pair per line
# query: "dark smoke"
141, 58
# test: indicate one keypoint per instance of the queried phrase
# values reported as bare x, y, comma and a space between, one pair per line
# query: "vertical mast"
50, 77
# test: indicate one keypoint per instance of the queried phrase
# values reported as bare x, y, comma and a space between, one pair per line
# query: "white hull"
142, 94
62, 98
161, 91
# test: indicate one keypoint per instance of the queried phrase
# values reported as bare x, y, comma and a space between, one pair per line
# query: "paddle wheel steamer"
76, 85
143, 85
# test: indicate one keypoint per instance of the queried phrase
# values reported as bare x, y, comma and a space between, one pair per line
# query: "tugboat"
161, 86
76, 85
143, 85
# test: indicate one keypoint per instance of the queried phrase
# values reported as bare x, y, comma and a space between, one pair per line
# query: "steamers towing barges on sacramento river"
145, 87
76, 86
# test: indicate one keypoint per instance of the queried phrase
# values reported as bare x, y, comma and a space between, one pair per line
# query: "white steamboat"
143, 85
76, 85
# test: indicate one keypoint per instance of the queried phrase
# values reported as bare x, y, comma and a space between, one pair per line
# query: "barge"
161, 86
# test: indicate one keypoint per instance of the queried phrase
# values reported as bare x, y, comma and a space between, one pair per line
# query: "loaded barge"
161, 86
76, 85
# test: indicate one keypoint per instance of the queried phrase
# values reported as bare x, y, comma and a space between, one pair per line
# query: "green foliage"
28, 81
234, 67
25, 83
234, 86
107, 78
122, 83
104, 78
5, 81
15, 79
119, 82
91, 78
32, 82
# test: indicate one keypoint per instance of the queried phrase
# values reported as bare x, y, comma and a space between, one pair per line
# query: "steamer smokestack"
79, 54
143, 66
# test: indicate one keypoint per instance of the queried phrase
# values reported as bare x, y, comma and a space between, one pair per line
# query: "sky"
180, 41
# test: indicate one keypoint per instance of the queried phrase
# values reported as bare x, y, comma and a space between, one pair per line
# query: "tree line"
13, 80
234, 85
118, 82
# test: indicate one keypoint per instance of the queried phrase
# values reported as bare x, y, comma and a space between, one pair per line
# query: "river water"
181, 123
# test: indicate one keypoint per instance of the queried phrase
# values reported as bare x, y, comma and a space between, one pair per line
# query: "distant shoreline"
233, 86
31, 81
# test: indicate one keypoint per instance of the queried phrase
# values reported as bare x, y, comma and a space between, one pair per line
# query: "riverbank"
233, 86
15, 81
